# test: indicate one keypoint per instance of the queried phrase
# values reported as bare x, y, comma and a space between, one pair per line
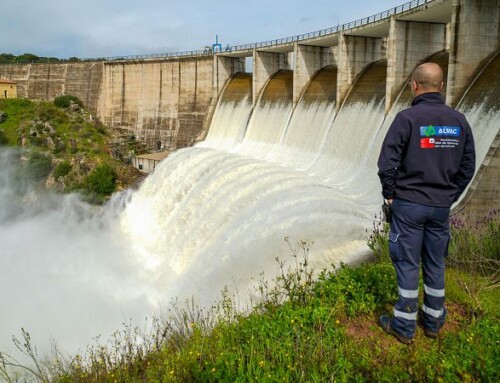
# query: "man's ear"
441, 86
414, 85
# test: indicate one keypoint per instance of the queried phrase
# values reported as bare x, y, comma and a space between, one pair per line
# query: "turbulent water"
212, 215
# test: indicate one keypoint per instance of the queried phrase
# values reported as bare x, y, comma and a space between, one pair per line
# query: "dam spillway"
227, 203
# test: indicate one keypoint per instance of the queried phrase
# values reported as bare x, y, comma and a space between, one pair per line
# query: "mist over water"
66, 273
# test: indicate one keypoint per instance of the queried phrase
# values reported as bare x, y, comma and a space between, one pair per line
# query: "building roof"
4, 81
154, 156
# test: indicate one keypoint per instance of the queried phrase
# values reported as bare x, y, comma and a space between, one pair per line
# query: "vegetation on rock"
64, 147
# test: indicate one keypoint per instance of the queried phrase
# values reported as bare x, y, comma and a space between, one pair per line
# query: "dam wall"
162, 103
47, 81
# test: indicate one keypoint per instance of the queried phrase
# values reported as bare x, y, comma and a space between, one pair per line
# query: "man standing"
426, 161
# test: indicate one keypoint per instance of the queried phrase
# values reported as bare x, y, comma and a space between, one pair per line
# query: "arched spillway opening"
232, 113
310, 121
269, 118
349, 139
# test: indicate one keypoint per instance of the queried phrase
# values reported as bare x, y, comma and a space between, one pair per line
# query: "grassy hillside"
65, 148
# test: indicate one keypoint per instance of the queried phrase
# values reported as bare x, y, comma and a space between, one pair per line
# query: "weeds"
378, 239
475, 251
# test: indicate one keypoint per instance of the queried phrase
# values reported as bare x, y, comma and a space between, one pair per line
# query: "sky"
107, 28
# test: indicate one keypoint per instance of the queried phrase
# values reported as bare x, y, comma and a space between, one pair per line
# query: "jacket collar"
428, 98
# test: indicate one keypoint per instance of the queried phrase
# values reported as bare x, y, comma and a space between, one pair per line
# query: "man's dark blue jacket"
428, 153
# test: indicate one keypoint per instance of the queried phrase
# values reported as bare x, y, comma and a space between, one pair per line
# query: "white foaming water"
228, 218
349, 142
228, 124
485, 127
265, 130
305, 134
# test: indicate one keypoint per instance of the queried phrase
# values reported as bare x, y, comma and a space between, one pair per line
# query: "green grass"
306, 327
29, 119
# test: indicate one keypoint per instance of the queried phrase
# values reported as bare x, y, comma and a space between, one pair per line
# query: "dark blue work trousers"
419, 235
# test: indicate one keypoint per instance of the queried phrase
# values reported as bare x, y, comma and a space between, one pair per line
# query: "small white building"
146, 163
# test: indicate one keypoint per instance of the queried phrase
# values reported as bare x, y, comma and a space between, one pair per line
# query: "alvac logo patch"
439, 136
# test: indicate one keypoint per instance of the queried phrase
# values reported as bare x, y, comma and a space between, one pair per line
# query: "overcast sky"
102, 28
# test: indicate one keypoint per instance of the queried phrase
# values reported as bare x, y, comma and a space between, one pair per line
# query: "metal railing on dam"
285, 40
339, 28
151, 56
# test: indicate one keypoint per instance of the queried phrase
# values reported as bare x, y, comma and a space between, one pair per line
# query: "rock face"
163, 103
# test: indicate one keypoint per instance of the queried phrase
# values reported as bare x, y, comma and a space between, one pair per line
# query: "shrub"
65, 100
62, 168
101, 180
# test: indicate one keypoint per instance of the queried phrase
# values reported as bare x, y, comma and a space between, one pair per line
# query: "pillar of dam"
265, 64
354, 53
474, 37
224, 68
308, 60
484, 193
407, 45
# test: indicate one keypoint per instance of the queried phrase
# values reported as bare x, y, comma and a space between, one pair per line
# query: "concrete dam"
286, 150
169, 102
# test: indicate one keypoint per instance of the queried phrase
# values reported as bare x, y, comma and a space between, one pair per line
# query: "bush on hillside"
65, 101
62, 168
101, 180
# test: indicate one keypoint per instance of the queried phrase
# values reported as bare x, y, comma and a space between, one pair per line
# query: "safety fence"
329, 31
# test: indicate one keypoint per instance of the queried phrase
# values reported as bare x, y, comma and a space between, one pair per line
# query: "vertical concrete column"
354, 53
308, 60
474, 36
265, 64
408, 44
224, 68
